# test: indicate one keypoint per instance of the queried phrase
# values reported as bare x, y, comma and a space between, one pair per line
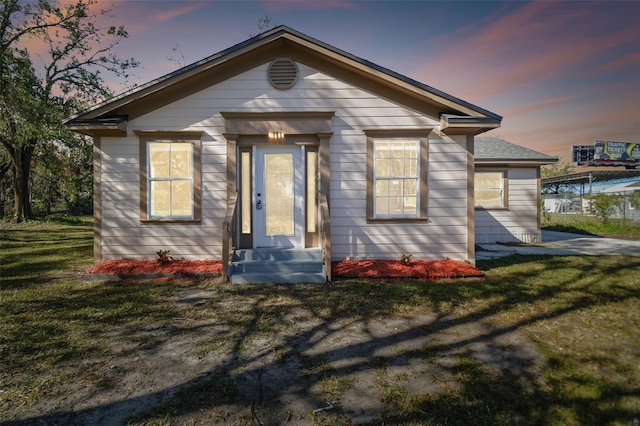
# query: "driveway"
563, 244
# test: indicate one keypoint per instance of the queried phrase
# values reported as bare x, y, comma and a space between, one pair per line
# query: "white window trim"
390, 178
419, 134
195, 138
190, 179
505, 190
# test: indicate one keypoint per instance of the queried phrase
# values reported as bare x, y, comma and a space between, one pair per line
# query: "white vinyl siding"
125, 236
443, 235
518, 222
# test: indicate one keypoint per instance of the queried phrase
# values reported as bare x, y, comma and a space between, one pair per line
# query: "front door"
278, 199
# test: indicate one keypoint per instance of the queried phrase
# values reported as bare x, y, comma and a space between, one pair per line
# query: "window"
490, 190
170, 188
396, 181
170, 178
395, 178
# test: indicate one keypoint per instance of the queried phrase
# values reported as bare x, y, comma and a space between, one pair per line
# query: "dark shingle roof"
495, 149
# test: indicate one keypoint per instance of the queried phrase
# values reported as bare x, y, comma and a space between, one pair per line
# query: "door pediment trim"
289, 123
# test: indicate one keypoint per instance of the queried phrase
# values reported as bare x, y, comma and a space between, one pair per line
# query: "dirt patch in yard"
275, 355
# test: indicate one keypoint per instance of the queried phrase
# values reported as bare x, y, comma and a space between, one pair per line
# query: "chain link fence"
625, 207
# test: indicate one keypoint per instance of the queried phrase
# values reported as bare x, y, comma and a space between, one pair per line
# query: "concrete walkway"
563, 244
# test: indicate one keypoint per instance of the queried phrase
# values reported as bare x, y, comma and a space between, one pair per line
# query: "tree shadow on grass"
30, 255
438, 353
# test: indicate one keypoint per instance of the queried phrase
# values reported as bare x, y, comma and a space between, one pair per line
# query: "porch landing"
277, 266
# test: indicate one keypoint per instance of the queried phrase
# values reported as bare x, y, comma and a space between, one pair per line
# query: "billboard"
609, 150
607, 153
582, 153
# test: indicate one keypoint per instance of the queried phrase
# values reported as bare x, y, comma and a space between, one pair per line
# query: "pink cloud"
140, 17
627, 61
526, 108
538, 42
99, 14
166, 15
600, 112
279, 5
560, 126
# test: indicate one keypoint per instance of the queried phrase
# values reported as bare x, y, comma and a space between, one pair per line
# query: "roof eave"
113, 126
405, 82
468, 125
160, 83
285, 33
514, 162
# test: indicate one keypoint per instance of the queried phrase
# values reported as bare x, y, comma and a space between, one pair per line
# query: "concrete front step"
291, 278
278, 254
277, 266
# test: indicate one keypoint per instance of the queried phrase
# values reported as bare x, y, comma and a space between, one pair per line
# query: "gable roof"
109, 117
492, 150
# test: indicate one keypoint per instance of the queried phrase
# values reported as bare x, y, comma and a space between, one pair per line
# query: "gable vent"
283, 73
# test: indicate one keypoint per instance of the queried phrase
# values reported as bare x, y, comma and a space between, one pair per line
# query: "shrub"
603, 205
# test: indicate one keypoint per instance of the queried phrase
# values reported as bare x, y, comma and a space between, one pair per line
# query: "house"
283, 144
507, 191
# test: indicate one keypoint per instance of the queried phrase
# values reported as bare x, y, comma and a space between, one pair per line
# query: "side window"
397, 175
170, 180
490, 190
170, 177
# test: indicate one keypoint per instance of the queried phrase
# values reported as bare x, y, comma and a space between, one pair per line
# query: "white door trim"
261, 204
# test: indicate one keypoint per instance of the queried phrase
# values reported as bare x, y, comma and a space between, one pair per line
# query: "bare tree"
264, 24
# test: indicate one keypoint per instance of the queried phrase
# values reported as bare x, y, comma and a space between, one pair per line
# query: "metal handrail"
228, 234
325, 233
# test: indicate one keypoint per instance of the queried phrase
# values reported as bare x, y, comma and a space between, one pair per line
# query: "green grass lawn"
586, 224
581, 313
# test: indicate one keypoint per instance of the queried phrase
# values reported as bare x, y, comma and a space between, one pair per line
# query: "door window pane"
278, 194
245, 159
312, 191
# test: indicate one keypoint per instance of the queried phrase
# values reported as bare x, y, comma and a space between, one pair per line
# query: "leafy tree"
4, 170
603, 205
634, 199
76, 188
19, 110
33, 103
557, 169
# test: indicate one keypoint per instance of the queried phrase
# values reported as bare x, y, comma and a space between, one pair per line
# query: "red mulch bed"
142, 267
424, 269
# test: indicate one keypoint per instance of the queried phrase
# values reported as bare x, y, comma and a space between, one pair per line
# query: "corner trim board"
97, 199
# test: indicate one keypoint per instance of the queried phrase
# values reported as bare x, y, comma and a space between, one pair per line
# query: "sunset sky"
561, 73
